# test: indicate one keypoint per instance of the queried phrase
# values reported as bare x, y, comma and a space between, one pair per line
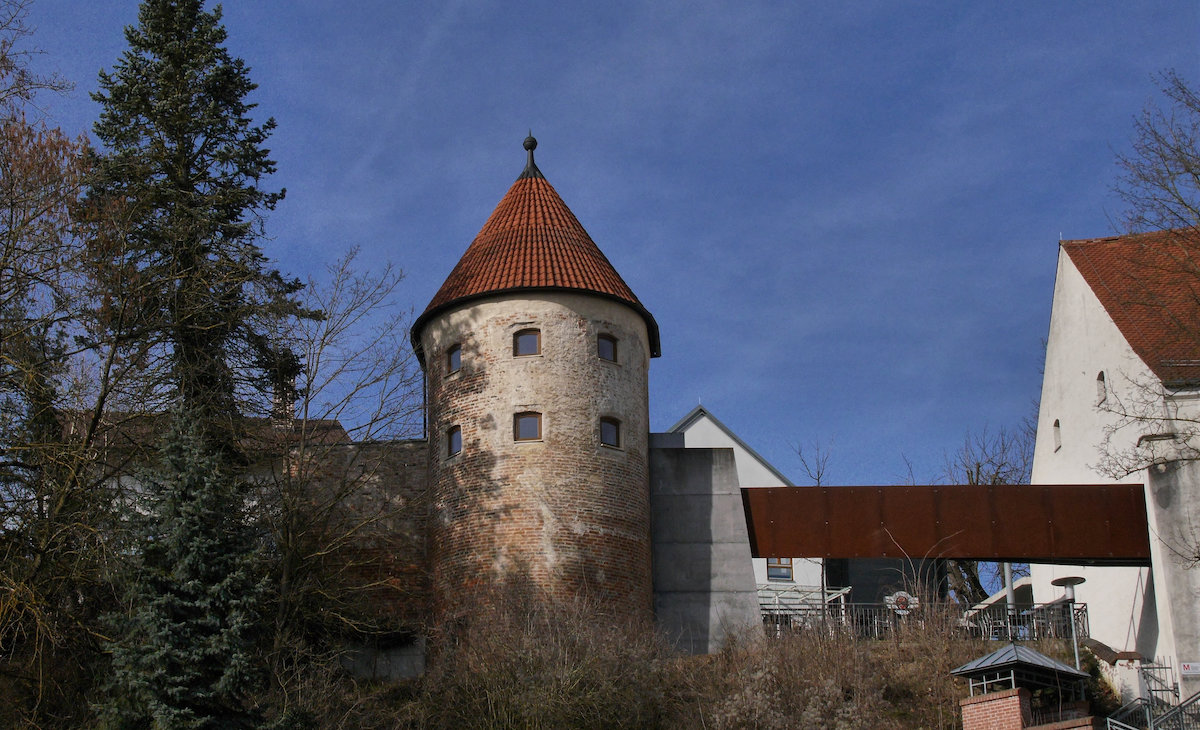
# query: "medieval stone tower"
536, 357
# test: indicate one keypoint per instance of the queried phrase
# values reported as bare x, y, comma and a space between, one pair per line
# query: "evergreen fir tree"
178, 180
180, 173
184, 659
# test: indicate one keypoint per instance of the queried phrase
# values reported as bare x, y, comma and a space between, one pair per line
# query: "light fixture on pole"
1068, 584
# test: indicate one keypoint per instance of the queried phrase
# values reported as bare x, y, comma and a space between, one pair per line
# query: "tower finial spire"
531, 169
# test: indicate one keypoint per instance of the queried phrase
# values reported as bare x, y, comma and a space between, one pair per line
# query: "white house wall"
1083, 341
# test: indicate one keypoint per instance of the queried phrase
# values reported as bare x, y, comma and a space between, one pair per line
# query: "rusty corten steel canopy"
1094, 524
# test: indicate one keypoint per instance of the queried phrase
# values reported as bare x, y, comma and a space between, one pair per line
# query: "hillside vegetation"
570, 668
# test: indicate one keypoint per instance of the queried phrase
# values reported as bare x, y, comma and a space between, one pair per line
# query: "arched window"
527, 426
606, 347
527, 342
453, 440
1057, 435
610, 432
1101, 389
453, 359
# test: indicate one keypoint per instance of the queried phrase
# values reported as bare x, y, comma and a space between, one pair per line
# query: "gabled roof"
1015, 655
1149, 283
700, 412
532, 241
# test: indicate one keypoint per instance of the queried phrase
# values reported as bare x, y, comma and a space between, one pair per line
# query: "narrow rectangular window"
610, 432
527, 342
606, 347
453, 441
454, 359
779, 569
527, 426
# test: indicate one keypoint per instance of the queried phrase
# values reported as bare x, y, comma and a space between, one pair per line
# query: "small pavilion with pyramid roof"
1003, 686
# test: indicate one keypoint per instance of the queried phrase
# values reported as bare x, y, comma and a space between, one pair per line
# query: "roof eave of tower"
652, 333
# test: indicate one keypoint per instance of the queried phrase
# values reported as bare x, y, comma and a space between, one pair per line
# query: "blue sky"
844, 216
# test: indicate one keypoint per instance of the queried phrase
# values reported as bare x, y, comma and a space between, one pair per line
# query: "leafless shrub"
570, 664
559, 664
829, 678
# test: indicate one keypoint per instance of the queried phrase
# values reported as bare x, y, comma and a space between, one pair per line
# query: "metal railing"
1160, 685
1134, 715
1184, 716
1048, 715
1161, 710
877, 620
1028, 623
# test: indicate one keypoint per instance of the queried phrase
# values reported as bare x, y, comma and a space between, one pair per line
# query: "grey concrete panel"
700, 623
1175, 490
703, 571
666, 440
688, 518
725, 569
693, 471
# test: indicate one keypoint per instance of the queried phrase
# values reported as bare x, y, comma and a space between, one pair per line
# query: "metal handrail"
876, 620
1137, 708
1184, 716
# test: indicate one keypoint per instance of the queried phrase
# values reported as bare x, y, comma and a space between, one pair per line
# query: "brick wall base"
1005, 710
1010, 709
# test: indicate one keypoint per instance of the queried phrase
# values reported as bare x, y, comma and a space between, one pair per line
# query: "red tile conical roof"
532, 241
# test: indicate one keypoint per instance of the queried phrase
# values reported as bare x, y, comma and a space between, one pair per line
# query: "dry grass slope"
576, 667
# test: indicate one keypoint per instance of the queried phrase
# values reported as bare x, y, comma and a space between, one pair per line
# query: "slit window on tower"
454, 359
1101, 389
527, 426
610, 432
453, 440
606, 347
527, 342
1057, 435
779, 569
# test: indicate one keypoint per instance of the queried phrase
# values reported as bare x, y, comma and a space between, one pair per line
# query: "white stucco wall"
703, 432
1083, 342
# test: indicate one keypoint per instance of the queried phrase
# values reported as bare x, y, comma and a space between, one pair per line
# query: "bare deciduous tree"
1157, 418
987, 458
342, 484
1160, 180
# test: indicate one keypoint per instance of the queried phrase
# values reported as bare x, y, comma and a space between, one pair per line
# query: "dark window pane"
528, 426
454, 359
454, 441
610, 432
527, 342
606, 347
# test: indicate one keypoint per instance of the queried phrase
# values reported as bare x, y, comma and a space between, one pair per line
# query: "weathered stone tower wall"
555, 516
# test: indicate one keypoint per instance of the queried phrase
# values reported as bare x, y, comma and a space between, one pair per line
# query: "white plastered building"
1118, 404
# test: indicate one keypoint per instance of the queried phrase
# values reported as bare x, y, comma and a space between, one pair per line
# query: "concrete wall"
702, 589
563, 514
1175, 502
703, 432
